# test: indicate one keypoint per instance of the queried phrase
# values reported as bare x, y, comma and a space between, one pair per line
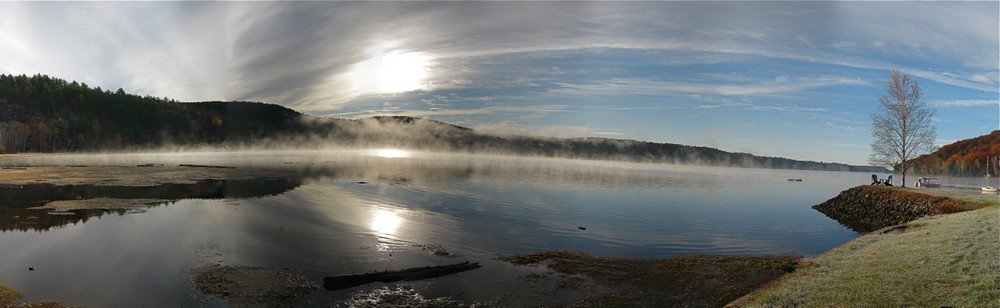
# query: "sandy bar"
126, 176
98, 203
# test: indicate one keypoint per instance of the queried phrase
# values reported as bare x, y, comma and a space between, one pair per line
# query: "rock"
869, 208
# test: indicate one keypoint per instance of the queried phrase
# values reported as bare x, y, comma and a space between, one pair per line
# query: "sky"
787, 79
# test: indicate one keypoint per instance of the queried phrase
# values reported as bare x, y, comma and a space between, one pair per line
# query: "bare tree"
901, 126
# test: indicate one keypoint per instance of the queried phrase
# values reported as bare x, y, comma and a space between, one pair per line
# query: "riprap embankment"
868, 208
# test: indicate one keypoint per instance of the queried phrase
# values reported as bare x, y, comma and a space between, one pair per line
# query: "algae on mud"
252, 286
700, 280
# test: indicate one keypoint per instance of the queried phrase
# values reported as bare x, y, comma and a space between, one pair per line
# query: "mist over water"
373, 209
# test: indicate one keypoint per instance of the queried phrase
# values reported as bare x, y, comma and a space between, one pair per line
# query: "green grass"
944, 260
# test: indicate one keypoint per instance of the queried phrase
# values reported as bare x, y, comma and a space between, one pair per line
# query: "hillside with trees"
962, 158
44, 114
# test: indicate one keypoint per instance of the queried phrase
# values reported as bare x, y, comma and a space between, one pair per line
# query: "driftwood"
205, 166
416, 273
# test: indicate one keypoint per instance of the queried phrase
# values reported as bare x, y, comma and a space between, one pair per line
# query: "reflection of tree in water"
17, 199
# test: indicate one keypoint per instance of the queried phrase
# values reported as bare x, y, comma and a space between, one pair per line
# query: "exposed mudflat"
247, 286
687, 281
131, 205
127, 175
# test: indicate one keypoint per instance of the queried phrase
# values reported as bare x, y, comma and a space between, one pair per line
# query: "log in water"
416, 273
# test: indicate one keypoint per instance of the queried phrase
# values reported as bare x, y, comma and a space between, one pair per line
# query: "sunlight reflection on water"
390, 153
385, 222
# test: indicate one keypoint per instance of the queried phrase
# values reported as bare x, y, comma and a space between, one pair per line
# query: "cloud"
719, 85
833, 144
743, 104
510, 111
493, 110
297, 53
843, 126
510, 128
966, 103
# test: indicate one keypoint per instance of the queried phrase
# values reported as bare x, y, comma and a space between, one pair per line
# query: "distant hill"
44, 114
963, 158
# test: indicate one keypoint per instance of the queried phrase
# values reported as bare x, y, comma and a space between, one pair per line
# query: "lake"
360, 211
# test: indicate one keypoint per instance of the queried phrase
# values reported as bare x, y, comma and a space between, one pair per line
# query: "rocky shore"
869, 208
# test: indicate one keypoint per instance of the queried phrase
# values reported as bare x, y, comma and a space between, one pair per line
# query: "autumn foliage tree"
901, 127
963, 158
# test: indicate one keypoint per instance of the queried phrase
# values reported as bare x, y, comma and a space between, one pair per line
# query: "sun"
390, 73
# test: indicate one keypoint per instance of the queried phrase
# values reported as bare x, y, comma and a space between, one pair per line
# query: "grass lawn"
944, 260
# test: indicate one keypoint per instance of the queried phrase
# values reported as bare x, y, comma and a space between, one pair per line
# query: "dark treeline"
43, 114
963, 158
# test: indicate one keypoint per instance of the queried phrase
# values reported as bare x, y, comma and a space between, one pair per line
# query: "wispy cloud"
834, 144
510, 111
510, 128
967, 103
767, 87
293, 53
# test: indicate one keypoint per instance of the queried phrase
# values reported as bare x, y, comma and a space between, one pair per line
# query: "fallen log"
205, 166
416, 273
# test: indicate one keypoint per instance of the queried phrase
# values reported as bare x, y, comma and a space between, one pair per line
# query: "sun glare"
390, 73
390, 153
385, 222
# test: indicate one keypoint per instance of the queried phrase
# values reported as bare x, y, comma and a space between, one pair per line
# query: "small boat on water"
795, 180
988, 188
928, 182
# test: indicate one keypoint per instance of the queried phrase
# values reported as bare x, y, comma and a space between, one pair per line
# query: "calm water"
351, 212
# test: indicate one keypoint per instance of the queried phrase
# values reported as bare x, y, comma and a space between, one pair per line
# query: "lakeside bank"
933, 261
868, 208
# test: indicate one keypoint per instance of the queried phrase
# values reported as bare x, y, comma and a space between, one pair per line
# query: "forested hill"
963, 158
44, 114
